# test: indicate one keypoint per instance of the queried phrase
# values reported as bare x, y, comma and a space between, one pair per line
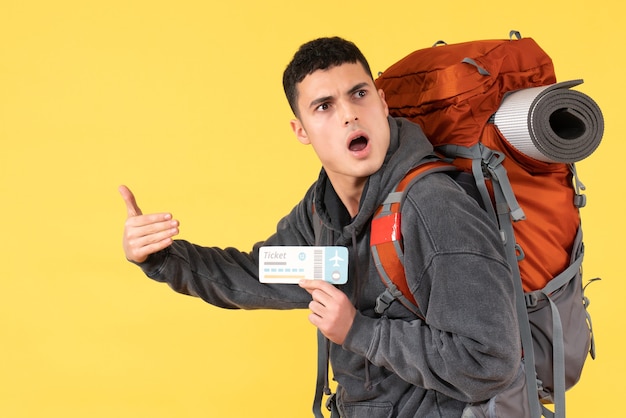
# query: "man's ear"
381, 93
299, 131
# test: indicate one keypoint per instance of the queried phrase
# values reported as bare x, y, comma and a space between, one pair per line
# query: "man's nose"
349, 113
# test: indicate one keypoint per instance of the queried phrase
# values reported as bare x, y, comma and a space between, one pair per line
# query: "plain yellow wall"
183, 102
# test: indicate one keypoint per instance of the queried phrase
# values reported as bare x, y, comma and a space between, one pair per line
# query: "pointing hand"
145, 234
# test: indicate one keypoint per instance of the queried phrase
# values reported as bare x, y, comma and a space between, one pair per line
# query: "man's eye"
361, 93
323, 106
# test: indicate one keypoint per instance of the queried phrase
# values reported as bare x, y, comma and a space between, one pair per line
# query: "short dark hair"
319, 54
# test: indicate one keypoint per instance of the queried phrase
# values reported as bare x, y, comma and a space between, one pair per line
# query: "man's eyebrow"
320, 100
358, 87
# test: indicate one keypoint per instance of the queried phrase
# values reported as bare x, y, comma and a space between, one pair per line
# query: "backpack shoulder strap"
386, 239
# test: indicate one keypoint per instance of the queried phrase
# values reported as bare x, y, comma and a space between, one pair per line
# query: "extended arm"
227, 277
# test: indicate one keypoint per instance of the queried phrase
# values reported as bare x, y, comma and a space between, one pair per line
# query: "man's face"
344, 117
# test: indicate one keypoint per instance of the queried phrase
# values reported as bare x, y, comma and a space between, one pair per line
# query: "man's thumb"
129, 199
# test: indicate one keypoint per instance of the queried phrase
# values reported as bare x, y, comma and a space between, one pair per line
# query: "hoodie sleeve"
228, 278
468, 346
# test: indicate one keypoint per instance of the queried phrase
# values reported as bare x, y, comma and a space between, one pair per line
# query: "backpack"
494, 109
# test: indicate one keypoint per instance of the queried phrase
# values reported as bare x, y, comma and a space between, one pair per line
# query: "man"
466, 349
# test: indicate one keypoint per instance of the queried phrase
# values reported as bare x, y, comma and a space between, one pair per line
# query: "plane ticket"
289, 265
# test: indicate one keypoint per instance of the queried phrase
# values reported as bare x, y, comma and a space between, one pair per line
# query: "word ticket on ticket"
289, 265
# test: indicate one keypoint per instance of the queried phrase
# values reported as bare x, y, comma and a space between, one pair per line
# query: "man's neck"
349, 192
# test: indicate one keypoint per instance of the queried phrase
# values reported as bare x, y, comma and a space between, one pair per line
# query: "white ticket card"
289, 265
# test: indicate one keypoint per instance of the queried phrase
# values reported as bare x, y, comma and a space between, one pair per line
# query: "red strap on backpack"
386, 240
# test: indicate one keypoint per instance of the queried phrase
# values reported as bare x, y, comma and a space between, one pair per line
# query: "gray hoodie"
396, 365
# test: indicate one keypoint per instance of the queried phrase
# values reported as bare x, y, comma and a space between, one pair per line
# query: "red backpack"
494, 109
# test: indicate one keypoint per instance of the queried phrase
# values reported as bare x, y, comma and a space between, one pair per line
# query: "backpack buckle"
531, 299
383, 301
492, 159
580, 200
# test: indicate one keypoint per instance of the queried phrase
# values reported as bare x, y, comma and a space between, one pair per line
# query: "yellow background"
183, 102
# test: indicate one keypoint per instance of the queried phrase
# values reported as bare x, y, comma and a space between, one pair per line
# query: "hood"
407, 146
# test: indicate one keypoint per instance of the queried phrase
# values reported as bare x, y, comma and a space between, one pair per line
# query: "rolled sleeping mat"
551, 123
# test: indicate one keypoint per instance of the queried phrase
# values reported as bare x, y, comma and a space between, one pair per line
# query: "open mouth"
358, 144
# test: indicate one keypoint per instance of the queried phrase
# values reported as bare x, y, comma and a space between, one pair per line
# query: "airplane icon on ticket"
336, 259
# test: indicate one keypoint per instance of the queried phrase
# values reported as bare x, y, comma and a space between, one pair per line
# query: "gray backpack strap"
471, 61
558, 342
580, 200
321, 387
592, 347
492, 161
475, 155
512, 249
485, 160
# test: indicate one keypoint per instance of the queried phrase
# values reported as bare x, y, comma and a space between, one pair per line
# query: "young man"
467, 348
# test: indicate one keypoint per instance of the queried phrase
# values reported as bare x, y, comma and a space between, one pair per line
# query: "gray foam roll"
551, 123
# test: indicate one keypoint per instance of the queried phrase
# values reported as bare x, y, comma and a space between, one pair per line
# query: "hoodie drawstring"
358, 292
